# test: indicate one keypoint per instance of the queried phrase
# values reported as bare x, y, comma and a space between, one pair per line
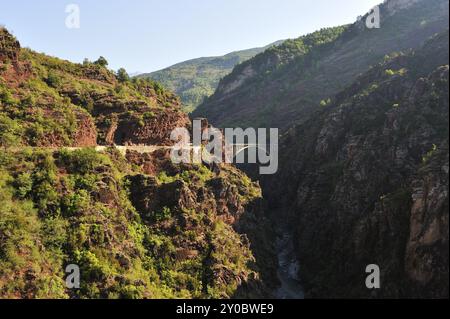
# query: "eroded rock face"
152, 131
12, 70
368, 185
86, 132
217, 194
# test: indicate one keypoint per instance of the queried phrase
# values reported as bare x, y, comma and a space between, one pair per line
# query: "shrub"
149, 115
159, 89
429, 155
6, 97
10, 131
81, 161
325, 102
163, 214
74, 203
23, 184
53, 80
389, 72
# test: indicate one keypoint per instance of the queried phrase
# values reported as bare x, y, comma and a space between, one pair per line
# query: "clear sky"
147, 35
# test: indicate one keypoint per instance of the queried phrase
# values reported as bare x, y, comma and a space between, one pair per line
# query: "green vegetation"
101, 62
75, 207
426, 158
55, 97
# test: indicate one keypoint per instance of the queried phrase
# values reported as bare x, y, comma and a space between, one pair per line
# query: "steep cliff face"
368, 181
280, 87
179, 233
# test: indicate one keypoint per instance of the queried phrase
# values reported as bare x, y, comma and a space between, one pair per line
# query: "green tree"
102, 62
122, 75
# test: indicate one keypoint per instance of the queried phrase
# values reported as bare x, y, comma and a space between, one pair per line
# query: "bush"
149, 115
81, 161
163, 214
10, 131
23, 184
6, 97
75, 203
159, 88
389, 72
53, 80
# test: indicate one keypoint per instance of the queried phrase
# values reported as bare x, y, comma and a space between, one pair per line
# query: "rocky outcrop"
86, 133
153, 130
12, 70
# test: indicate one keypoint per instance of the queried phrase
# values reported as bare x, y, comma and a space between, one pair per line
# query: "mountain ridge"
269, 91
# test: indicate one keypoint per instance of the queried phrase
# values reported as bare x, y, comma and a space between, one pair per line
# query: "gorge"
363, 173
361, 121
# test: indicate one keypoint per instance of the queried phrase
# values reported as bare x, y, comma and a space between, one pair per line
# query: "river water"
288, 268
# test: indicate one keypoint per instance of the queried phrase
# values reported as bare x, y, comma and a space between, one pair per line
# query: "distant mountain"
135, 74
194, 80
282, 85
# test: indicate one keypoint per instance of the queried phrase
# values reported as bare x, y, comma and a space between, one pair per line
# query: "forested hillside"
197, 79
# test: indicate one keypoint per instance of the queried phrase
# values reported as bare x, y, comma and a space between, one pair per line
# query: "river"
288, 268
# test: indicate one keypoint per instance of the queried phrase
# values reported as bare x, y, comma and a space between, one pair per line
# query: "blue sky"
147, 35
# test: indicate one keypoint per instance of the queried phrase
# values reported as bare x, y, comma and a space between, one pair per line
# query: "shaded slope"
368, 181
